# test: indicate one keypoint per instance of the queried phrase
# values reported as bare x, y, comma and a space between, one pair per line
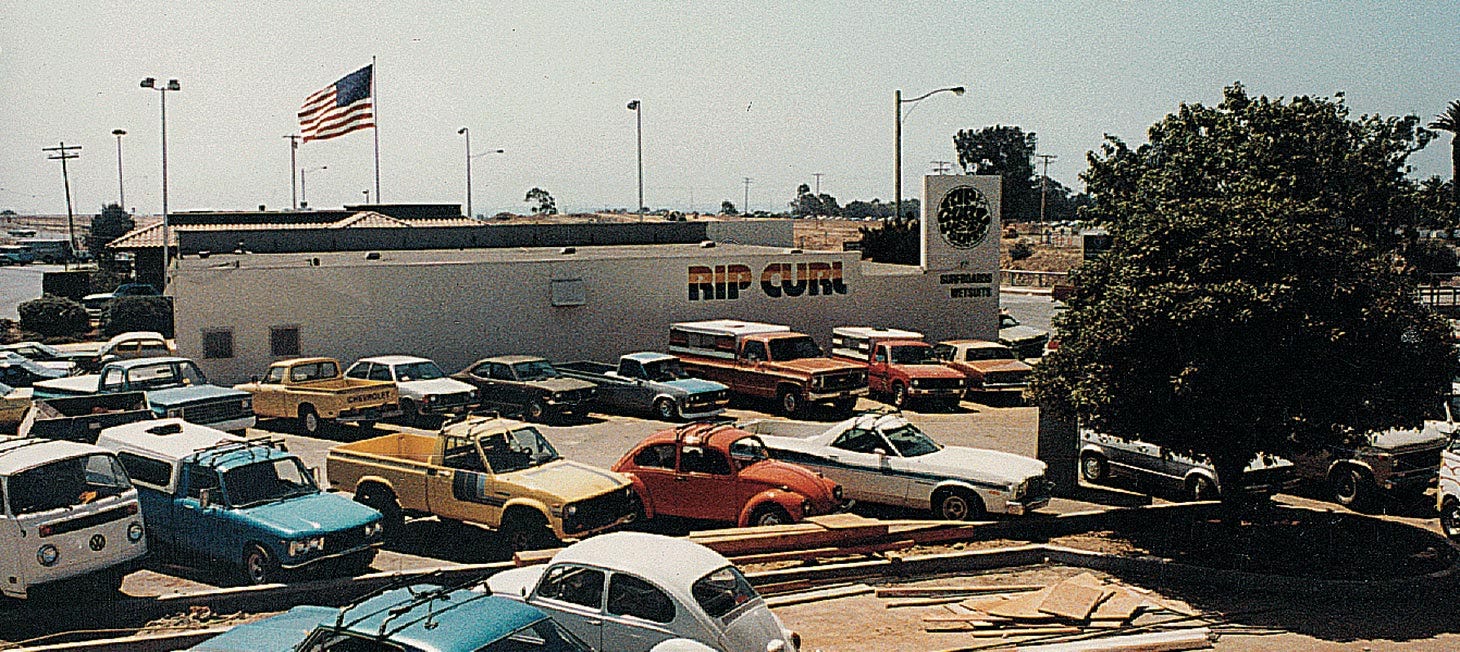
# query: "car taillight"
130, 509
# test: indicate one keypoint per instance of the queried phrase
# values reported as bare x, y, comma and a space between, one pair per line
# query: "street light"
121, 190
634, 105
367, 195
897, 96
303, 190
467, 133
172, 85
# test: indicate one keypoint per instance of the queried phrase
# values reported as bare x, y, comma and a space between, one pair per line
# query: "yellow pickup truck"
487, 470
313, 391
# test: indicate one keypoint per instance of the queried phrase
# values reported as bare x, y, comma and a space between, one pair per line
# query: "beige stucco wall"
457, 312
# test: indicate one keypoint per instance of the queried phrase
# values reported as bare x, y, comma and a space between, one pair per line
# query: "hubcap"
955, 508
1092, 468
1450, 520
311, 422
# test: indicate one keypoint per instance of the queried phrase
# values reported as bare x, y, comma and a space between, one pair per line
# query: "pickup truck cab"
1194, 477
250, 504
313, 391
990, 367
900, 365
417, 618
1398, 463
67, 512
496, 472
133, 345
424, 389
1027, 341
651, 382
529, 385
717, 472
767, 361
175, 387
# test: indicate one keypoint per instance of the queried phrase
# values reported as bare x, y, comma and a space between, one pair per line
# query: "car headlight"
174, 412
472, 395
570, 510
246, 404
373, 529
48, 555
431, 398
134, 532
916, 382
302, 546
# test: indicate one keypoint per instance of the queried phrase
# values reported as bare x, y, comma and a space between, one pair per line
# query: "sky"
772, 91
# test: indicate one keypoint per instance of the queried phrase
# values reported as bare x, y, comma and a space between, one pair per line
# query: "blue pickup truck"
175, 387
419, 618
251, 504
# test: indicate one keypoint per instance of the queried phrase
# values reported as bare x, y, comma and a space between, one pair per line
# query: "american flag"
340, 108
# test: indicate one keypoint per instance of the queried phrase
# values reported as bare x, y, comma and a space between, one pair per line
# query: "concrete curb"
1023, 289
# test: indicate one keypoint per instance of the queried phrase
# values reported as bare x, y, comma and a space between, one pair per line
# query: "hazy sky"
771, 91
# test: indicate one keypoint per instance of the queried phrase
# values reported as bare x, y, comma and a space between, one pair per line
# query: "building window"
218, 344
569, 292
284, 341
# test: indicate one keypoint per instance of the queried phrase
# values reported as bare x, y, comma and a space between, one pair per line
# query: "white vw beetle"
637, 592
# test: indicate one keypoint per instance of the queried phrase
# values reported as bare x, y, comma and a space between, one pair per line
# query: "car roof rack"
223, 447
704, 428
429, 599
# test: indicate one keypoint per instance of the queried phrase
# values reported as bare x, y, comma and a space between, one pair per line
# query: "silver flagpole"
375, 91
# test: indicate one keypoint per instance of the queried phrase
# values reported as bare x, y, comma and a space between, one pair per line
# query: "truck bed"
68, 386
340, 385
586, 367
403, 446
779, 428
82, 418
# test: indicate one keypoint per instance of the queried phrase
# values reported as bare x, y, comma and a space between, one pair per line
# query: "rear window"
722, 591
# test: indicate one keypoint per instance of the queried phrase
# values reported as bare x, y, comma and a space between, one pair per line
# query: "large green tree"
542, 202
111, 223
1249, 302
1006, 151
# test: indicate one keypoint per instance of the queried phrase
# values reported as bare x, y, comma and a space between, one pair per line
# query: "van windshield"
67, 483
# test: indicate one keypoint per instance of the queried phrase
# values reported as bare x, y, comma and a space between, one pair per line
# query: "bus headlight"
48, 555
134, 532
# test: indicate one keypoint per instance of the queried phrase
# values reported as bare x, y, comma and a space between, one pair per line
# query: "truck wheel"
1094, 468
384, 501
845, 405
258, 567
667, 409
309, 420
527, 530
1200, 487
766, 515
1450, 519
410, 414
790, 401
534, 410
1350, 487
957, 505
899, 396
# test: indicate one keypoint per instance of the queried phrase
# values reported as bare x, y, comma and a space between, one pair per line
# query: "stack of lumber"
1080, 605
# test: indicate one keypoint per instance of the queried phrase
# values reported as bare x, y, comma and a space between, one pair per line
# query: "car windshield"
544, 635
534, 370
664, 370
722, 591
991, 353
794, 348
266, 481
516, 450
67, 483
1007, 321
913, 355
164, 375
910, 442
748, 448
418, 371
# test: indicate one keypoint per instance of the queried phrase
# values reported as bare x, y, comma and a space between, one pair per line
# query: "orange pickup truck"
767, 361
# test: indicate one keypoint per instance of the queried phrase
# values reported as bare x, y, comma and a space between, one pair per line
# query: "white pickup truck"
884, 458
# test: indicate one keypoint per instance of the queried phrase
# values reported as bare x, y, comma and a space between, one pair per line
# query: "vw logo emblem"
98, 542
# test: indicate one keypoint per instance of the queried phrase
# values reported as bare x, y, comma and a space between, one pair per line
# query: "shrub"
1020, 250
106, 281
54, 316
125, 314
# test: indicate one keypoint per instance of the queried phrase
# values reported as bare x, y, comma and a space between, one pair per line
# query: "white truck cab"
67, 512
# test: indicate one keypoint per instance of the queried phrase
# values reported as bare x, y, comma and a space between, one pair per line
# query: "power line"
63, 154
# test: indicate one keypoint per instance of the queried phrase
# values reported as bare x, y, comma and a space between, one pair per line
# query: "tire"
534, 411
1351, 487
767, 515
899, 396
957, 505
309, 420
358, 563
1450, 519
667, 410
1094, 468
384, 501
1200, 487
366, 425
845, 405
790, 401
410, 414
526, 530
257, 566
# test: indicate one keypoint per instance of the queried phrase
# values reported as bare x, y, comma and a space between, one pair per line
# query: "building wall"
459, 312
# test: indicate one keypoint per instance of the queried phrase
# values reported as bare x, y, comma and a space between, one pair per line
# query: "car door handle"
594, 621
833, 458
681, 478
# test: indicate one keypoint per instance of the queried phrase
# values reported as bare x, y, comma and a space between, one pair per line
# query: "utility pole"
63, 154
293, 170
745, 207
818, 176
1043, 180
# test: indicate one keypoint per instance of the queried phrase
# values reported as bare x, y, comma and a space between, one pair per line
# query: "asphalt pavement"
21, 283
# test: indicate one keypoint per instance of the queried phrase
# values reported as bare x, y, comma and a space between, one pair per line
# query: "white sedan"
637, 592
884, 458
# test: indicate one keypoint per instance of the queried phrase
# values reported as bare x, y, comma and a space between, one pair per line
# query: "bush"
106, 281
1020, 250
125, 314
54, 316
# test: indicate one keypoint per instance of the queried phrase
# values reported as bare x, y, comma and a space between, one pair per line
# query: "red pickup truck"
767, 361
900, 365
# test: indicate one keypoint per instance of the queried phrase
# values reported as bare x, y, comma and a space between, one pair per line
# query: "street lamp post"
367, 195
635, 106
303, 189
172, 85
121, 190
898, 102
467, 132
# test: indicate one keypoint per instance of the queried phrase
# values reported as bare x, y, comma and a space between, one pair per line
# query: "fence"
1031, 278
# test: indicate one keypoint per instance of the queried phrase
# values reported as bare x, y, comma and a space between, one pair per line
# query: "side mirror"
254, 378
205, 498
879, 452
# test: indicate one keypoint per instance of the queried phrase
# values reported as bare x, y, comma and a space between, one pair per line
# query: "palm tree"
1450, 121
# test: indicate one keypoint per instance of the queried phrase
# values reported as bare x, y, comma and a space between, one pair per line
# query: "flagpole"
375, 90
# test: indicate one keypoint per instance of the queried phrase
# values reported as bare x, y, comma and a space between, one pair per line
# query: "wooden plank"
966, 590
846, 520
1004, 632
1121, 606
816, 596
920, 602
1073, 601
816, 553
958, 618
1172, 641
1024, 607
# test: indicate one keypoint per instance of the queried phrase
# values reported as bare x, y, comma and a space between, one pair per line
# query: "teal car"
419, 618
208, 495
